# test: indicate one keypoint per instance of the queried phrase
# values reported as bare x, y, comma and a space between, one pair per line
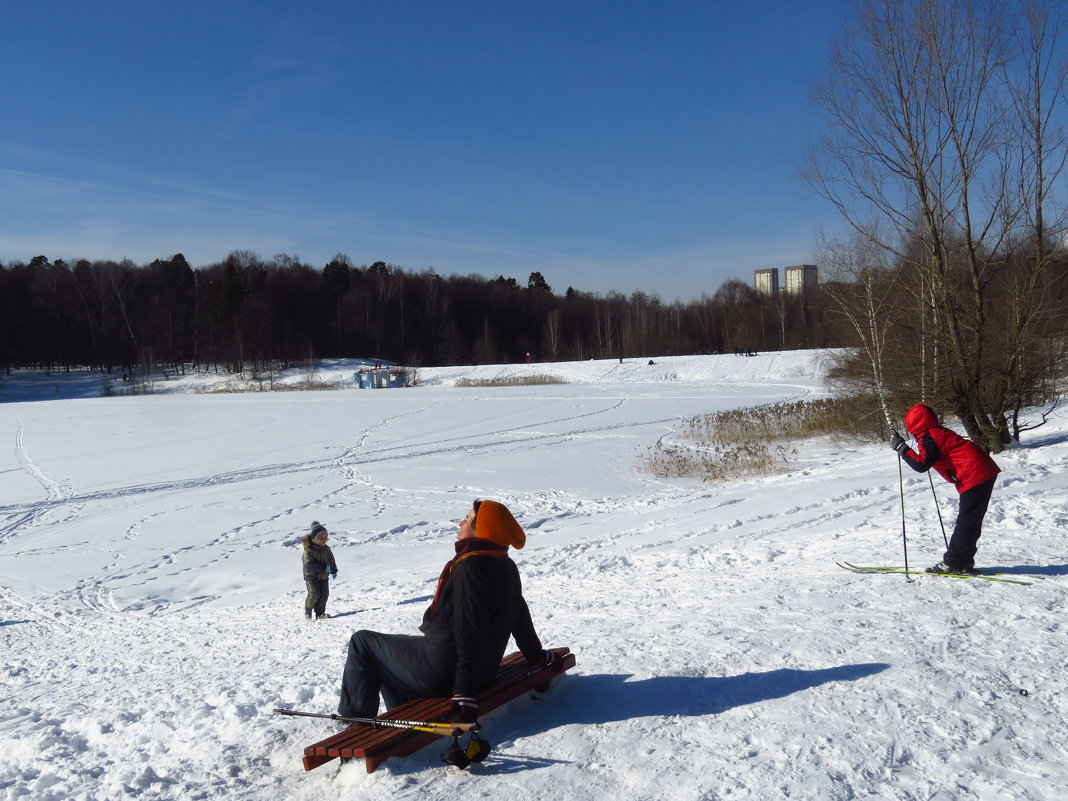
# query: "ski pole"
940, 523
904, 539
900, 478
429, 727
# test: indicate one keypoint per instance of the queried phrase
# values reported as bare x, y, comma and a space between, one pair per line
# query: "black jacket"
480, 607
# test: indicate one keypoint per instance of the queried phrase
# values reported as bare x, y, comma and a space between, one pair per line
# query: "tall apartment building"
801, 279
767, 281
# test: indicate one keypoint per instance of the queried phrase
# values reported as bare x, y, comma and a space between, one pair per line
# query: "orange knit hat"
495, 523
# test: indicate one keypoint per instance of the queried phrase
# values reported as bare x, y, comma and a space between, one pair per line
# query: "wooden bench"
375, 745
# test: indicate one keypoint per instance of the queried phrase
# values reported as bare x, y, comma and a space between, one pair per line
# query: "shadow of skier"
1030, 570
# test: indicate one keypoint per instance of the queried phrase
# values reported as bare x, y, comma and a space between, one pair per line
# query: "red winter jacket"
957, 460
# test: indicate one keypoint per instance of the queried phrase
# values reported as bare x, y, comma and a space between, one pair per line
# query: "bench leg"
312, 762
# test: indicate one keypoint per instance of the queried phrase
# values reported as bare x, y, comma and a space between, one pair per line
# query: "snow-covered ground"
151, 597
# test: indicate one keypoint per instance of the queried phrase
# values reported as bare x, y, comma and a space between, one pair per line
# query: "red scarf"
471, 546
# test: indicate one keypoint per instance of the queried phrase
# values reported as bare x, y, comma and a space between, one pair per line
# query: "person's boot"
943, 568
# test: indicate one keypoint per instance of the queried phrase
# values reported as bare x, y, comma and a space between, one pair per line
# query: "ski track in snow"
57, 493
150, 627
350, 460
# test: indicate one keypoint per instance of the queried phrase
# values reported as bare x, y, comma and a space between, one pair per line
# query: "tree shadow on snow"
610, 698
1034, 442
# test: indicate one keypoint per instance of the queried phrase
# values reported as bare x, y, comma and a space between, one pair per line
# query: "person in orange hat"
478, 605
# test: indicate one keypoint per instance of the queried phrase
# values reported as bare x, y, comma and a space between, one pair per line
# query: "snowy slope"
150, 593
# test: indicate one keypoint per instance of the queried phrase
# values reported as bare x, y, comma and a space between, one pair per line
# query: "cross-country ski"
973, 574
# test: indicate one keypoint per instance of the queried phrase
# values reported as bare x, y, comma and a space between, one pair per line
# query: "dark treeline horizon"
247, 313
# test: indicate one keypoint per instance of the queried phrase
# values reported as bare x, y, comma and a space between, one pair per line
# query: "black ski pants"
400, 667
969, 525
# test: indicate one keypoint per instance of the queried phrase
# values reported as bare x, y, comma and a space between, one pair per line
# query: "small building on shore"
381, 377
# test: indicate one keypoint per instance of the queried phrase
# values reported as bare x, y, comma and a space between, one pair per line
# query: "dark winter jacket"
479, 607
957, 460
318, 560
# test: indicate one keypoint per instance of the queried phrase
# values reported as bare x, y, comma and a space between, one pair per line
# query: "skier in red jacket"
965, 465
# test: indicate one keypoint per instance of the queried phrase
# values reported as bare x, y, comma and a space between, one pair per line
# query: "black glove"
465, 708
553, 661
899, 444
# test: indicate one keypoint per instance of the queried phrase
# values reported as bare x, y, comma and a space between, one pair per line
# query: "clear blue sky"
622, 146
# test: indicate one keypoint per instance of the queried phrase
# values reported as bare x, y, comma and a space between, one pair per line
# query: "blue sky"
626, 146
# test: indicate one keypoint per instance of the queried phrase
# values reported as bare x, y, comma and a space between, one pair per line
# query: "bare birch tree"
862, 288
940, 143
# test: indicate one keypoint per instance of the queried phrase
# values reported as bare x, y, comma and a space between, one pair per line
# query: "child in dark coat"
965, 465
319, 567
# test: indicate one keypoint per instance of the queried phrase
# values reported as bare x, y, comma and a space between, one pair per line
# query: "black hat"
317, 528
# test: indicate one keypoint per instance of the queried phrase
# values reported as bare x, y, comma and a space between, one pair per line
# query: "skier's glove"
899, 444
465, 708
333, 575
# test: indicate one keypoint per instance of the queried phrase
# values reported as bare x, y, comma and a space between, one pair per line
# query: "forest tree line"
247, 313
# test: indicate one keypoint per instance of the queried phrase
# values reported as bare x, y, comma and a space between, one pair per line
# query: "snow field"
150, 596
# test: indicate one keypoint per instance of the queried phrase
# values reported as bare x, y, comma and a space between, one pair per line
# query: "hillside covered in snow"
151, 595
